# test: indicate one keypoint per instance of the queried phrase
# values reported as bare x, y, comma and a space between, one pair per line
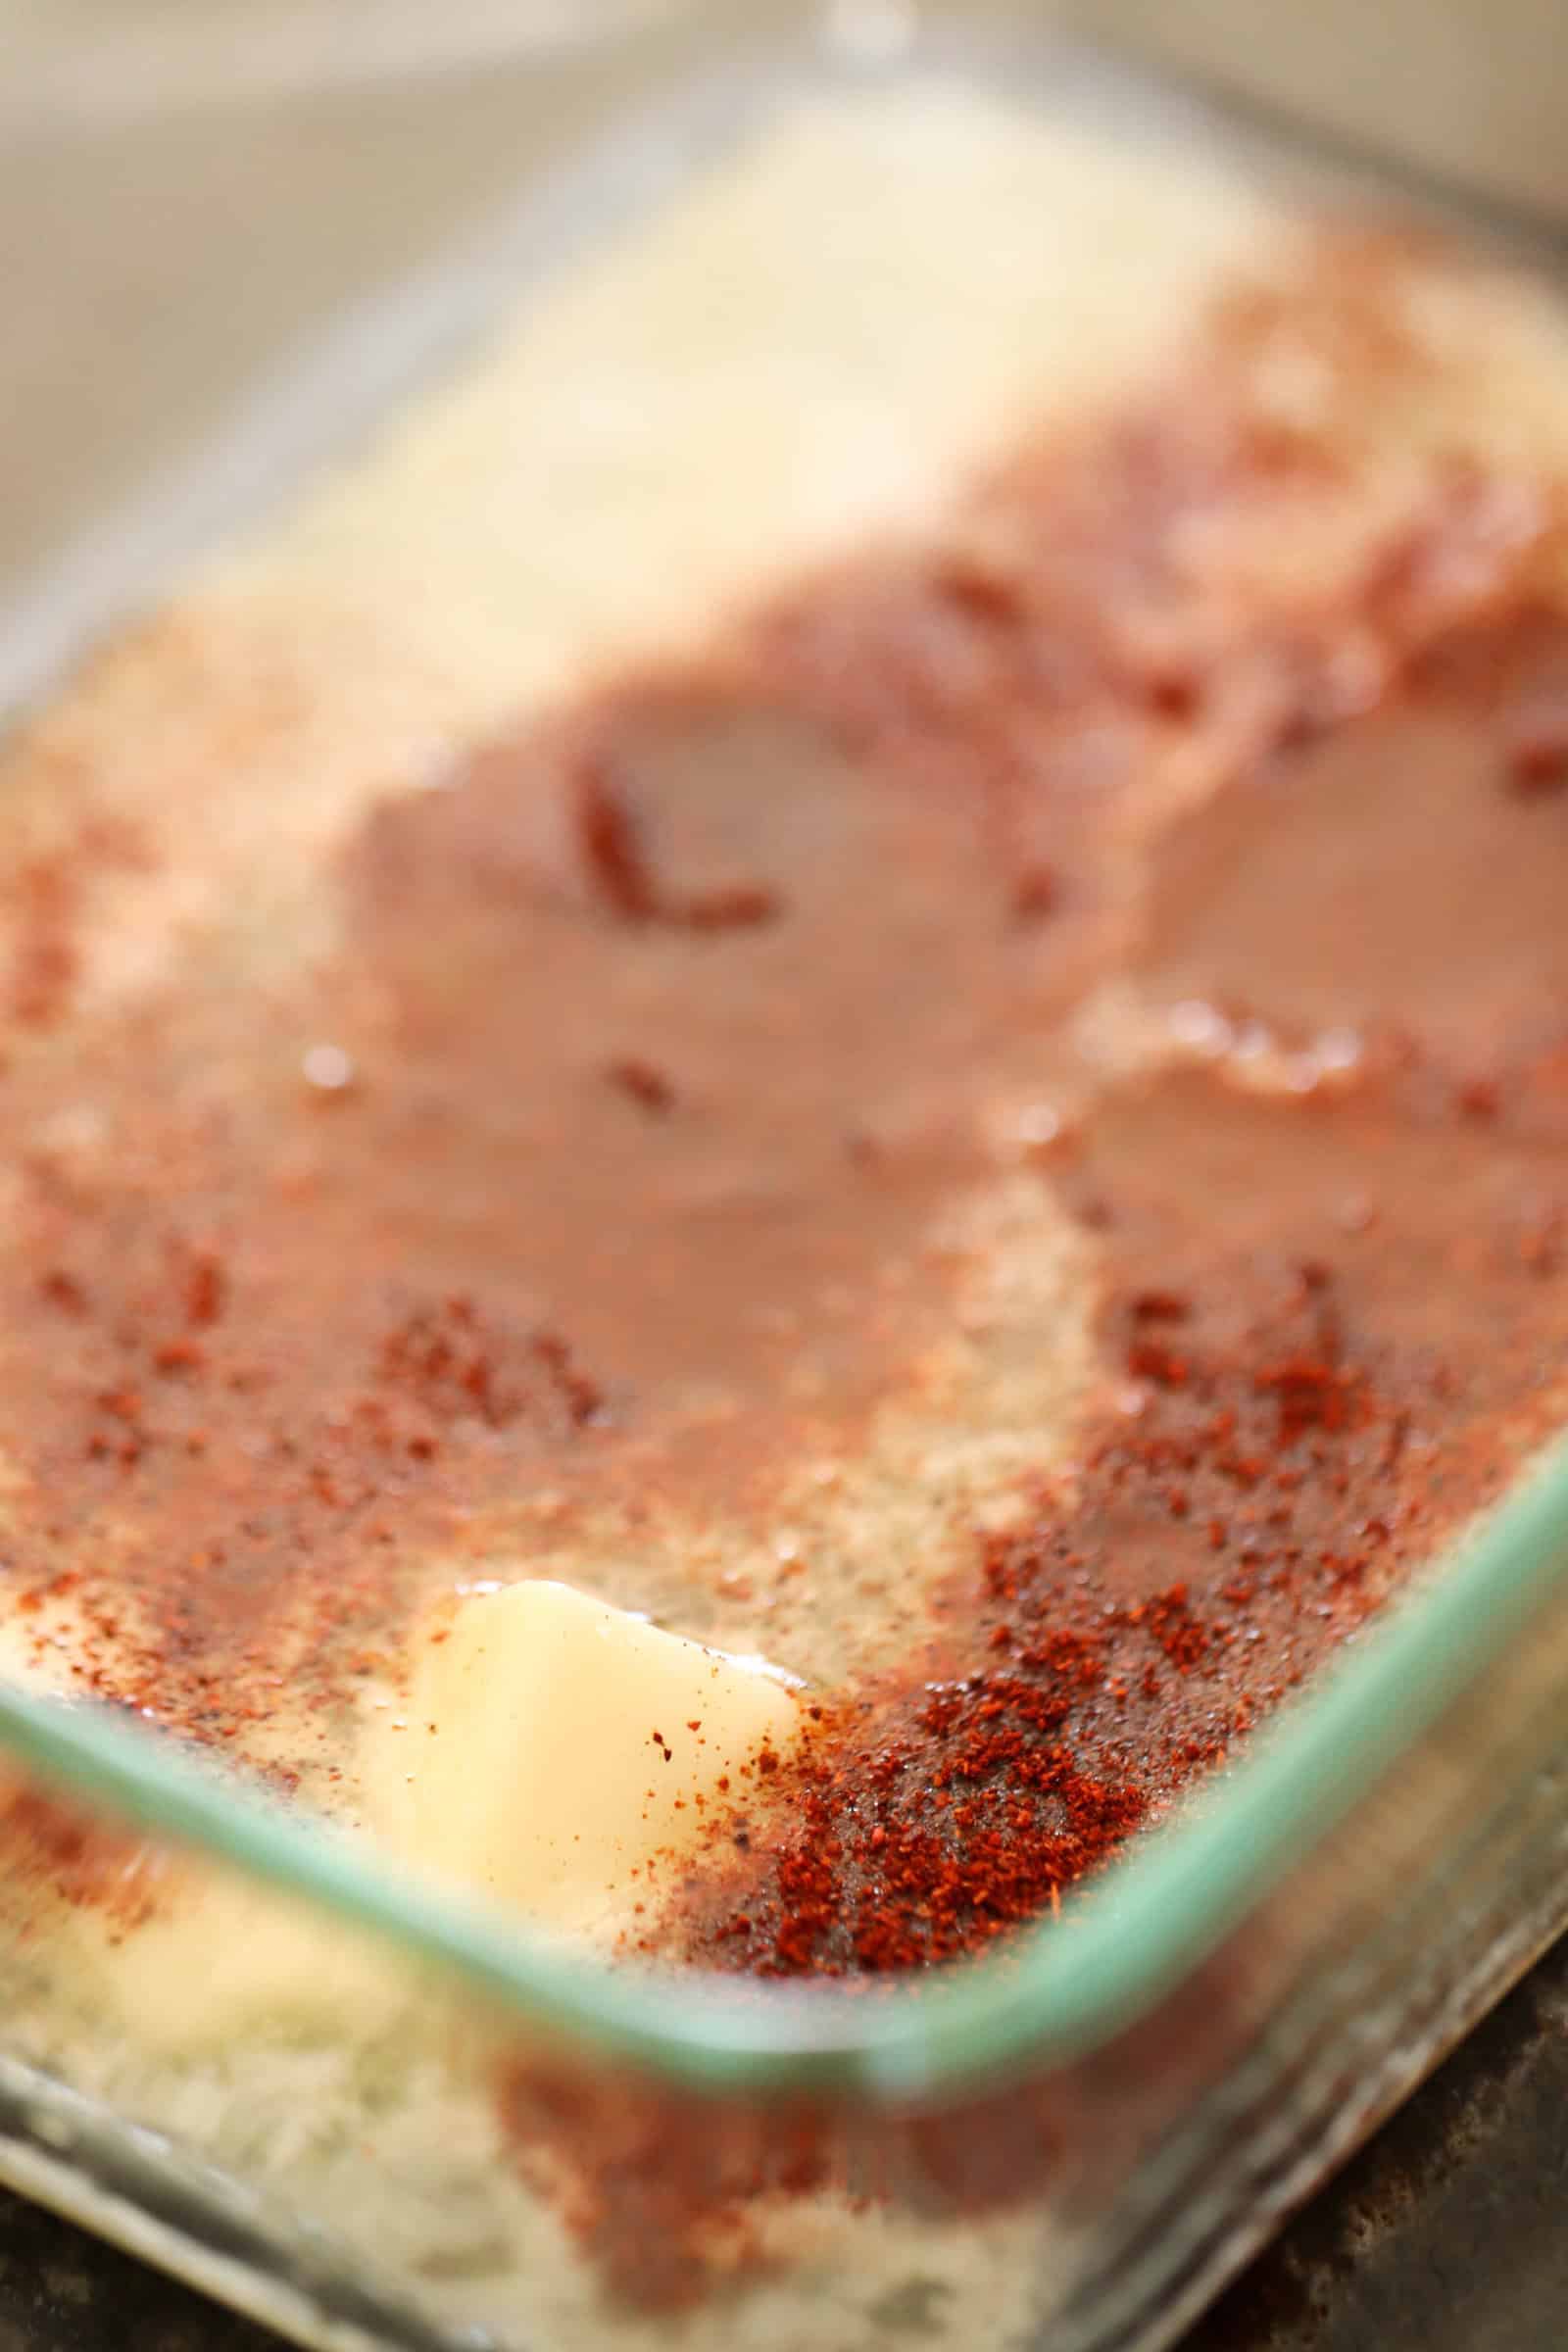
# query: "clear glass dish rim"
1054, 1995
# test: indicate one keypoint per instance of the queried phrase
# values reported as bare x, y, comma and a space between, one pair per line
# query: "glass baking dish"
1072, 2145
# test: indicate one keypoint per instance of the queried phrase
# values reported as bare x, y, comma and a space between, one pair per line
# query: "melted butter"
560, 1756
554, 1755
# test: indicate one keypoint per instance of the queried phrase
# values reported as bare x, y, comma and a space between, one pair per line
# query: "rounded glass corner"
1052, 1998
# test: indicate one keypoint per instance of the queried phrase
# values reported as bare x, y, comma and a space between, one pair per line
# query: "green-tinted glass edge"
1056, 1993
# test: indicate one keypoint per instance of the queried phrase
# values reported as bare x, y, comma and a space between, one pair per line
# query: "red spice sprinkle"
612, 845
921, 1827
205, 1290
1537, 757
738, 906
1147, 1360
1175, 693
623, 872
1036, 894
1161, 1307
644, 1081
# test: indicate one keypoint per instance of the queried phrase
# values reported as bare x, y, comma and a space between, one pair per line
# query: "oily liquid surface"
600, 1163
605, 1159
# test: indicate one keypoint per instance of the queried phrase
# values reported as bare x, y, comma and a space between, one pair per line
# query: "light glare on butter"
559, 1756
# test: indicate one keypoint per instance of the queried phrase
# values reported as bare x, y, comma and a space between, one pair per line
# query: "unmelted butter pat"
562, 1757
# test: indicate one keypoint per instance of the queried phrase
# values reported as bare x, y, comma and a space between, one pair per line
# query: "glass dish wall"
372, 2115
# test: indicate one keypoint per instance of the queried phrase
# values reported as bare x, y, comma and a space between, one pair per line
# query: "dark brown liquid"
604, 1154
